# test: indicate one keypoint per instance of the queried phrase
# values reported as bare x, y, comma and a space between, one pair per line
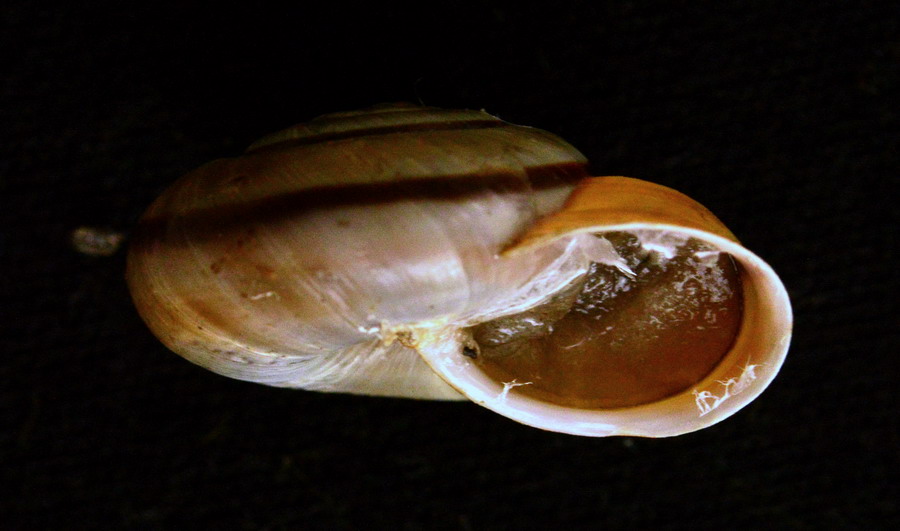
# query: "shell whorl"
320, 238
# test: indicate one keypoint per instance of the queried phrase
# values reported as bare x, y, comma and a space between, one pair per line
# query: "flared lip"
727, 389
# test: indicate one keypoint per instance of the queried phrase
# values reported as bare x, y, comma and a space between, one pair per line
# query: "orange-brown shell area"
616, 201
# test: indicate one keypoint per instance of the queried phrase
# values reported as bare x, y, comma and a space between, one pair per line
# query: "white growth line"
371, 331
263, 295
659, 248
509, 385
706, 401
601, 250
706, 254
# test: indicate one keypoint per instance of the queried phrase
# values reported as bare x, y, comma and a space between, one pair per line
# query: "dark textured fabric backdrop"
781, 117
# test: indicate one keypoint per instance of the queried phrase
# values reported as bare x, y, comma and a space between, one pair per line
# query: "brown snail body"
359, 252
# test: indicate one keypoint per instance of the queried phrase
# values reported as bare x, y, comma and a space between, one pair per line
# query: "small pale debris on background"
96, 241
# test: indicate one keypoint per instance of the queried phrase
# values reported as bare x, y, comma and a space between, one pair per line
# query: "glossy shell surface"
351, 253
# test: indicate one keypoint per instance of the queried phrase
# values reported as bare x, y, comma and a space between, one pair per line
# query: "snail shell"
356, 253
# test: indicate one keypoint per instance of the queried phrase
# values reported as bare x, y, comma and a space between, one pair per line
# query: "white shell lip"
742, 375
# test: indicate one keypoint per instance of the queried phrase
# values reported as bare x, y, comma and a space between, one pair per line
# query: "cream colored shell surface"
296, 263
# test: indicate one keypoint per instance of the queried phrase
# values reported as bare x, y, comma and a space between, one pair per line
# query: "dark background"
780, 117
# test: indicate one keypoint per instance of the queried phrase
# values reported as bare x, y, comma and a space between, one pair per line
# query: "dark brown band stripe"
235, 218
383, 130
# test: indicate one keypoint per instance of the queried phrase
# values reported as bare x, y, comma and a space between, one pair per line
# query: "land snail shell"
356, 253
